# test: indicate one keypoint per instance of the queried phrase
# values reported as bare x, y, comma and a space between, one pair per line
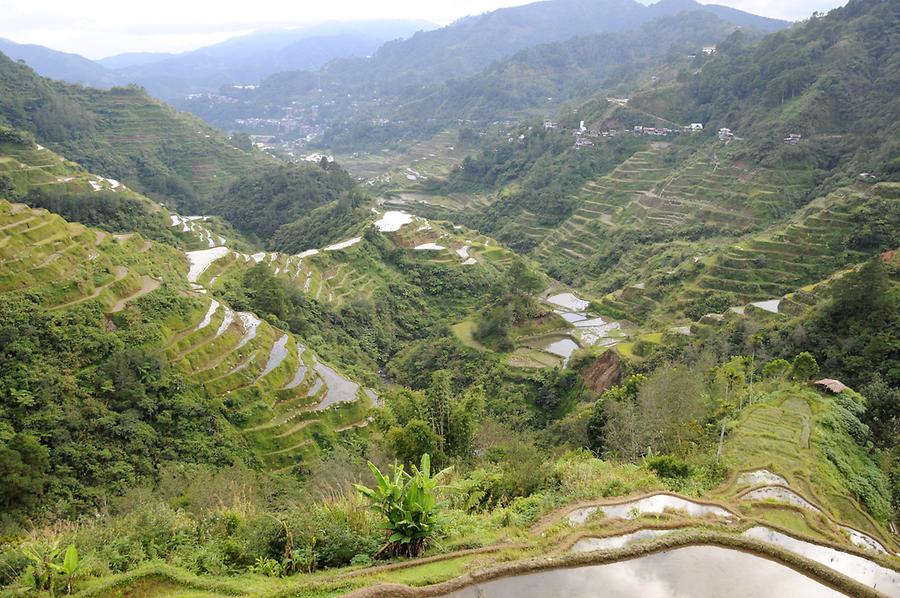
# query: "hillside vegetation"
126, 135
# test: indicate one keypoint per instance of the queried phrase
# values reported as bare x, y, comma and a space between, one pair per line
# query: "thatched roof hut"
835, 386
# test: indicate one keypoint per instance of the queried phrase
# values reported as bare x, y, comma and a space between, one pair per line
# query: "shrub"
777, 368
669, 467
804, 367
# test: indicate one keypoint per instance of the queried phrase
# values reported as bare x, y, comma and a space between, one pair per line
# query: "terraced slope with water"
263, 373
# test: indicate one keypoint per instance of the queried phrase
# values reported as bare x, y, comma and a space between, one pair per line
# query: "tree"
599, 417
804, 367
777, 368
23, 466
413, 439
882, 413
492, 328
437, 400
408, 504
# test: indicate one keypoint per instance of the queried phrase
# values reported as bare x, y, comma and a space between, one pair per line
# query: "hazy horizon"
99, 29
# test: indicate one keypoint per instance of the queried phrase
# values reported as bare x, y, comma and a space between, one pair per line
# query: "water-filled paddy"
276, 356
769, 306
761, 476
693, 571
779, 494
864, 541
886, 581
200, 260
393, 221
569, 300
300, 374
343, 244
340, 390
657, 503
207, 319
589, 544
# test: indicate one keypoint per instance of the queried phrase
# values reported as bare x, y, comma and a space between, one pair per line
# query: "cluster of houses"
584, 136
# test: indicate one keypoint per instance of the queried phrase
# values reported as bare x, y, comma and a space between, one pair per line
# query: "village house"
696, 127
581, 142
619, 101
725, 134
550, 125
793, 138
709, 50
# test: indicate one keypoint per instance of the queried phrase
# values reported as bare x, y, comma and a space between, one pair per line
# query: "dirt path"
148, 285
121, 272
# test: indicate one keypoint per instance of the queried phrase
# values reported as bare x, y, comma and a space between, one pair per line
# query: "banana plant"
407, 502
70, 566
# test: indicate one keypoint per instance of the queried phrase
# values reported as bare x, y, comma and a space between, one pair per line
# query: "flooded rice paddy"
693, 571
392, 221
779, 494
886, 581
761, 476
589, 544
656, 503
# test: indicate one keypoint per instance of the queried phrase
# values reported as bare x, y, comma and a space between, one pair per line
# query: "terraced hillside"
708, 194
124, 134
31, 167
353, 269
785, 498
261, 372
826, 236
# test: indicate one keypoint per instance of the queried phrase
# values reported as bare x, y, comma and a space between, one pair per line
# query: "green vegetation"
407, 502
260, 203
125, 134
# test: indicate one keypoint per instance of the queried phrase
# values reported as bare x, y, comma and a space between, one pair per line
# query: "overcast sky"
99, 28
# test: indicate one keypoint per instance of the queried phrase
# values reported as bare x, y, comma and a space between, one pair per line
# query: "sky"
100, 28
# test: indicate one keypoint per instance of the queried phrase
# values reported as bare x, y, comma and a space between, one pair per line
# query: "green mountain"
248, 59
411, 88
473, 43
832, 80
124, 134
539, 79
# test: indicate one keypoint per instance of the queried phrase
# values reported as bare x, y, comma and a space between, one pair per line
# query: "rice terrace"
558, 298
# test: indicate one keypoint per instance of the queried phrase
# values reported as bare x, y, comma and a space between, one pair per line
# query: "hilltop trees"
662, 413
804, 367
513, 299
435, 421
854, 335
259, 203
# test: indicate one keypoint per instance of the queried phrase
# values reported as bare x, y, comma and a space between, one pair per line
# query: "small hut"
834, 386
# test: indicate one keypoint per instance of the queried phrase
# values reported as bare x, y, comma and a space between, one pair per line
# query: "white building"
709, 50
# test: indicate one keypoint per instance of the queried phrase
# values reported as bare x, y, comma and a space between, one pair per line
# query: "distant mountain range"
53, 64
238, 61
473, 43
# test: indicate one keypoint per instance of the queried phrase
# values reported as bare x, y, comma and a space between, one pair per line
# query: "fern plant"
407, 502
